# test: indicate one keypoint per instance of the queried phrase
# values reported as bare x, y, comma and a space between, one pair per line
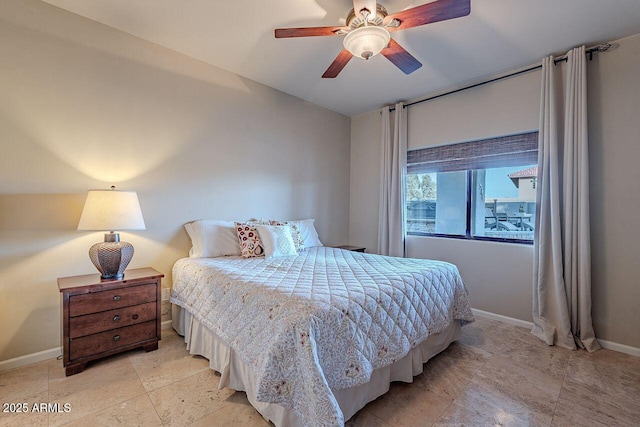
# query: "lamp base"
111, 257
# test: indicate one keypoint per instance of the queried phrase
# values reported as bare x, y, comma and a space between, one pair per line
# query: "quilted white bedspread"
322, 320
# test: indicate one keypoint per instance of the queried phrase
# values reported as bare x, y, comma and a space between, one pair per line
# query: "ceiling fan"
368, 28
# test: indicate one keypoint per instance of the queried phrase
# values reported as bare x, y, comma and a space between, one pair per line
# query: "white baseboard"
166, 324
29, 359
627, 349
619, 347
501, 318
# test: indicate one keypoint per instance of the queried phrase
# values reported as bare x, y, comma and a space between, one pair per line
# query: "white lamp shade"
110, 210
368, 41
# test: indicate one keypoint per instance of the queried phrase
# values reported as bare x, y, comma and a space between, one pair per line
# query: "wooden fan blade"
436, 11
307, 32
338, 64
400, 57
370, 5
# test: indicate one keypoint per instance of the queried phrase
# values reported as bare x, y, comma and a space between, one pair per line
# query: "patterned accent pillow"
249, 239
277, 240
298, 241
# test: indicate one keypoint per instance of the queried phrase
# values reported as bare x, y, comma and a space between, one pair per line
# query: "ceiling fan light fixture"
366, 42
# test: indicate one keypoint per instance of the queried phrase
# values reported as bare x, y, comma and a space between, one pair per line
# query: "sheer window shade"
513, 150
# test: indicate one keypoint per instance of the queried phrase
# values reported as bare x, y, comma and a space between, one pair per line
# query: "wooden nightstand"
105, 317
352, 248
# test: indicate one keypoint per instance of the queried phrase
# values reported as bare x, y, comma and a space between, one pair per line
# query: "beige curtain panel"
562, 251
393, 164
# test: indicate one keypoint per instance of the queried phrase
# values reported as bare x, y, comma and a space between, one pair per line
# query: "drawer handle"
116, 318
135, 317
116, 338
116, 298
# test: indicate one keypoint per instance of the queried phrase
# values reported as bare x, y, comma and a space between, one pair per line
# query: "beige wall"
85, 106
499, 275
365, 179
614, 144
503, 108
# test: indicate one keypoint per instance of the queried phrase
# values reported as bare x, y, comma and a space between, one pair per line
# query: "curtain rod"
588, 51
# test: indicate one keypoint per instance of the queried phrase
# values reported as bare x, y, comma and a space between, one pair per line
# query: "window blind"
513, 150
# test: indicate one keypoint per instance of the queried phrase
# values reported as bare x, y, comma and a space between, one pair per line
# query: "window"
481, 190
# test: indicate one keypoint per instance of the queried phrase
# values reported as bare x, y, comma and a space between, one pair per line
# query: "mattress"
312, 325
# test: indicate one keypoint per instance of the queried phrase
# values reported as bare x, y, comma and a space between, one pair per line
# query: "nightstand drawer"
98, 343
112, 319
108, 300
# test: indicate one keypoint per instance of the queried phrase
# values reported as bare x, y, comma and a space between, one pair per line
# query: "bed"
312, 338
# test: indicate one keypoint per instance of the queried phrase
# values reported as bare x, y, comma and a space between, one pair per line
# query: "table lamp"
111, 210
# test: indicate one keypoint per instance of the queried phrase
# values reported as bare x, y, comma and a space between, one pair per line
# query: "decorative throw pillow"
249, 239
277, 240
298, 241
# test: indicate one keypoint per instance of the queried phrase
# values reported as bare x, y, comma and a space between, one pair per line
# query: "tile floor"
497, 374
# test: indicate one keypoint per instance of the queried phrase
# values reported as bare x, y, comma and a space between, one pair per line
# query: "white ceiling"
237, 35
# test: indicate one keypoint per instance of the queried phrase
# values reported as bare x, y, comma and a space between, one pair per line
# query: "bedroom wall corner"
365, 180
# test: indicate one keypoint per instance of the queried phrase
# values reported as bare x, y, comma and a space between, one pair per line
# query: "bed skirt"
237, 375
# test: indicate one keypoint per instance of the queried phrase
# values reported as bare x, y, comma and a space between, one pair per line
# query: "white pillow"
277, 240
295, 233
308, 232
212, 238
